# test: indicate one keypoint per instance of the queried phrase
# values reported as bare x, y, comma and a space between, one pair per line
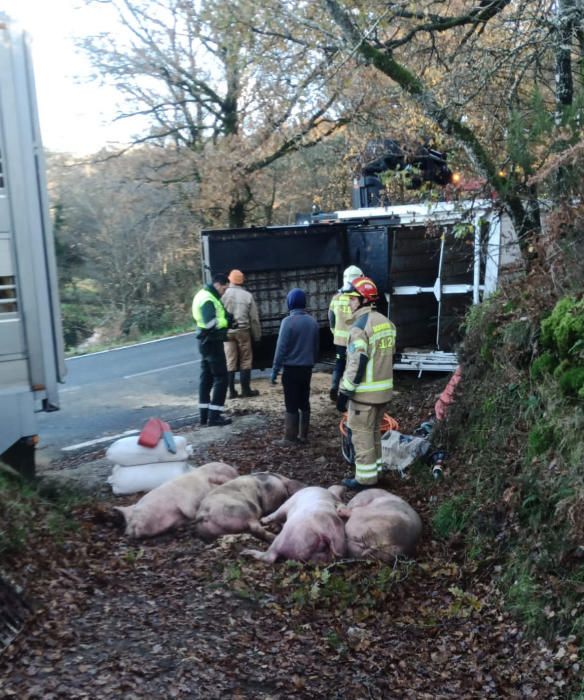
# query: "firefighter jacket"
340, 318
368, 376
239, 302
210, 315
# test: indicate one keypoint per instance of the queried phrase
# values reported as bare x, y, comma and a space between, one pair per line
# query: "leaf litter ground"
172, 617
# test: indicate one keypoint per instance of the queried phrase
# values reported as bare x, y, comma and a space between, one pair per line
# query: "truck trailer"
31, 341
431, 261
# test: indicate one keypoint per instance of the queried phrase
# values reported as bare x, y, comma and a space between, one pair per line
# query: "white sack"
128, 453
144, 477
399, 451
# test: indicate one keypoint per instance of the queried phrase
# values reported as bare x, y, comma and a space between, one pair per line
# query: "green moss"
540, 439
544, 364
572, 382
563, 330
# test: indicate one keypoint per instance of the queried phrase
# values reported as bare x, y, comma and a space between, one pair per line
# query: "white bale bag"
144, 477
398, 451
128, 453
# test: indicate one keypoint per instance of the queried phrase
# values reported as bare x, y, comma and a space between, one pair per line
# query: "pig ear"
218, 479
337, 490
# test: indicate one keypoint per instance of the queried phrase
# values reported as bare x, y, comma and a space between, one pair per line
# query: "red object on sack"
151, 433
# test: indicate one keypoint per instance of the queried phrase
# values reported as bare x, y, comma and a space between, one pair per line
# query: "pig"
174, 502
313, 531
238, 505
380, 526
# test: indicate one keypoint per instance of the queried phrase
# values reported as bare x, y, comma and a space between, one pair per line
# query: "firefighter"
340, 317
367, 382
238, 351
212, 321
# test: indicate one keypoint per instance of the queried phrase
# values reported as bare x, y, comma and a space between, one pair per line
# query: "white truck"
31, 343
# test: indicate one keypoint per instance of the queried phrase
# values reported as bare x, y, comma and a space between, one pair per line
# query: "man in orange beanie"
238, 349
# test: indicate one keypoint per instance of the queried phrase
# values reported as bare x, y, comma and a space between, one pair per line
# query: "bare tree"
467, 66
229, 99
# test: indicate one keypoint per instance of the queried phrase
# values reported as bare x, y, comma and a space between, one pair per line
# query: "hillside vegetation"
516, 429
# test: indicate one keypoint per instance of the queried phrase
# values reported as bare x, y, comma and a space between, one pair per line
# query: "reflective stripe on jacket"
368, 376
218, 320
340, 318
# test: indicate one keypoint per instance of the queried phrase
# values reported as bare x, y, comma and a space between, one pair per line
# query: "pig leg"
270, 556
278, 516
344, 512
255, 529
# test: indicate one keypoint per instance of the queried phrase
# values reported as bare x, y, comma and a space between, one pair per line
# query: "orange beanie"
236, 277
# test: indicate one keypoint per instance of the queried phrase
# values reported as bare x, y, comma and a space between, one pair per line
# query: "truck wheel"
21, 456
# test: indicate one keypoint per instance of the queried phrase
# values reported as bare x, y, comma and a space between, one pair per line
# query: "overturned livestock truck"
31, 343
430, 262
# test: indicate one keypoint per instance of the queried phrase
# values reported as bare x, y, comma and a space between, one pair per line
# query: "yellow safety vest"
201, 298
339, 306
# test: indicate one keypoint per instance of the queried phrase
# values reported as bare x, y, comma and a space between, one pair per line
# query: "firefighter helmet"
364, 287
351, 273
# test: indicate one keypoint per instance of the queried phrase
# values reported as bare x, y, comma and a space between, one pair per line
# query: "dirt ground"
172, 617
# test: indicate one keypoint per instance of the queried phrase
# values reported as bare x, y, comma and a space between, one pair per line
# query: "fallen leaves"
175, 618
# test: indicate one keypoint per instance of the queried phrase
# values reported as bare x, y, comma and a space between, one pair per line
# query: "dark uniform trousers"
213, 379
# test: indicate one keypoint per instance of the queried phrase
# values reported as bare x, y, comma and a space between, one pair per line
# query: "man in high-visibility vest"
340, 318
212, 323
367, 382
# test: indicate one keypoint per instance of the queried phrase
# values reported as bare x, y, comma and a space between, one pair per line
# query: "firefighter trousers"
364, 421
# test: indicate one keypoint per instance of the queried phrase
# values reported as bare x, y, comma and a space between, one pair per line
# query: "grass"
519, 434
27, 511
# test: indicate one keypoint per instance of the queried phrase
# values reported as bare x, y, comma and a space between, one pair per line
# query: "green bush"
77, 325
563, 329
572, 382
542, 365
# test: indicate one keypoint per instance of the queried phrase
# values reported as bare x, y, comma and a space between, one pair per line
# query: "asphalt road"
111, 392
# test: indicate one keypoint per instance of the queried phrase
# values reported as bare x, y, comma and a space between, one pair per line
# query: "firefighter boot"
232, 393
203, 415
304, 425
216, 419
246, 390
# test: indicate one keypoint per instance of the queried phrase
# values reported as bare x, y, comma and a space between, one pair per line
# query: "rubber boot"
203, 416
304, 425
246, 390
290, 430
232, 393
216, 419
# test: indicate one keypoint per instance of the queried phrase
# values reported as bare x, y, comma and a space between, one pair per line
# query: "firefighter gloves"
342, 401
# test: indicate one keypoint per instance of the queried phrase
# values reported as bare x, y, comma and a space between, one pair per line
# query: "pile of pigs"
316, 526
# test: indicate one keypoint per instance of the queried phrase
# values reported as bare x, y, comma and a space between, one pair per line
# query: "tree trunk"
525, 217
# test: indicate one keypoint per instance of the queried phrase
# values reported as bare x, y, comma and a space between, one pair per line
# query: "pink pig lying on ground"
313, 531
380, 525
238, 505
174, 502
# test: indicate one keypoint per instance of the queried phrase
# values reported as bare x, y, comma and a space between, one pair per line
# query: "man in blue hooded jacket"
296, 355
